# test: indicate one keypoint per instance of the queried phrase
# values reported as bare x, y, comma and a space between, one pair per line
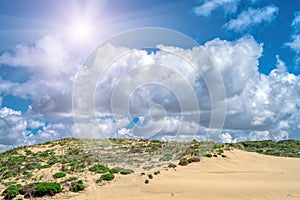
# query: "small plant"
99, 169
171, 165
208, 155
157, 172
126, 171
107, 177
194, 159
224, 156
12, 191
215, 155
143, 174
77, 186
150, 176
220, 151
115, 170
147, 181
59, 175
40, 189
183, 162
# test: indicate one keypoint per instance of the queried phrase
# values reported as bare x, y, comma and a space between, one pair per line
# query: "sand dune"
242, 175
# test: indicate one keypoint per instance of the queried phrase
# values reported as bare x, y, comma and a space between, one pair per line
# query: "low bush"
77, 186
147, 181
220, 151
157, 172
115, 170
171, 165
183, 162
150, 176
107, 177
208, 155
40, 189
99, 169
194, 159
59, 175
126, 171
11, 192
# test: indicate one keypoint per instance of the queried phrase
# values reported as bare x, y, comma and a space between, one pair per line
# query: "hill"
71, 165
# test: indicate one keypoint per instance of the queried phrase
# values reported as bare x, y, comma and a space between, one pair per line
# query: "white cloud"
258, 106
296, 21
52, 70
208, 6
295, 43
252, 17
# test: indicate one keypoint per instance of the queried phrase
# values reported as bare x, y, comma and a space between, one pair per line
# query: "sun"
80, 30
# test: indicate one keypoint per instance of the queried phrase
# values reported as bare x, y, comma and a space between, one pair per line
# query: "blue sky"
44, 42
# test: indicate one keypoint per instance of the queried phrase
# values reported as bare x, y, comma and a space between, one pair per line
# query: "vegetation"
77, 186
40, 189
284, 148
115, 170
126, 171
110, 157
59, 175
99, 169
12, 191
107, 177
156, 173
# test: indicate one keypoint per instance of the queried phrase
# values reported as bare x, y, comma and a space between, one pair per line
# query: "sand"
241, 175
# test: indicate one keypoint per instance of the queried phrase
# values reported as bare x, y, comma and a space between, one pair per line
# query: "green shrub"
157, 172
183, 162
218, 146
150, 176
77, 186
11, 192
208, 155
171, 165
59, 175
40, 189
147, 181
99, 169
126, 171
107, 177
220, 151
143, 173
43, 188
115, 170
194, 159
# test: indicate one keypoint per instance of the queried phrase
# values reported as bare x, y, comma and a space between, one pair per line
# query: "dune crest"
241, 175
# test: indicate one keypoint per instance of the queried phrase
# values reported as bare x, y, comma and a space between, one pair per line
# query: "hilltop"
68, 166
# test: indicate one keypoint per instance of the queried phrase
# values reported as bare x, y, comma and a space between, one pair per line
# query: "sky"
253, 47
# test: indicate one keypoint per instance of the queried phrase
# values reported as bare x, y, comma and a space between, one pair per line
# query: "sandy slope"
241, 175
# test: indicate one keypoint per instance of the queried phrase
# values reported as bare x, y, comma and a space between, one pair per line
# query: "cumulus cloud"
252, 17
296, 21
258, 106
15, 129
294, 44
257, 102
52, 70
207, 7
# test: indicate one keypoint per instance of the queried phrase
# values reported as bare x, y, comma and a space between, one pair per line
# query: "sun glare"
80, 30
